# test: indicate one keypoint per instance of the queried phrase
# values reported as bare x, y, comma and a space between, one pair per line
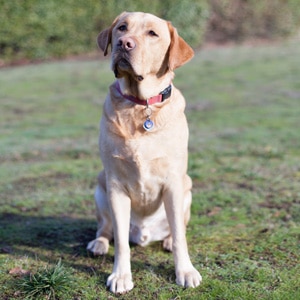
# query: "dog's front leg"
186, 274
120, 281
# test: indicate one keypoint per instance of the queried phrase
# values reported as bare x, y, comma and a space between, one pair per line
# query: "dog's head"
142, 45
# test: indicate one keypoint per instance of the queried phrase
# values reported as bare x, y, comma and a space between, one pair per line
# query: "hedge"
237, 20
41, 29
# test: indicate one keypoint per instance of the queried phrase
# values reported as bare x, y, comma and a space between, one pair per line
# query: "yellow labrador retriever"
144, 192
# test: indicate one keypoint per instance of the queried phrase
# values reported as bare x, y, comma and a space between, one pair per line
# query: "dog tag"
148, 125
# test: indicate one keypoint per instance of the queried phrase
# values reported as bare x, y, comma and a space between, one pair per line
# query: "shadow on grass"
49, 238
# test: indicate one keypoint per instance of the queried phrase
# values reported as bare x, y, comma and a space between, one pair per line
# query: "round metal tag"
148, 125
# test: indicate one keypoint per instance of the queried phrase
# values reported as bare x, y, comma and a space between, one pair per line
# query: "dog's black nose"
126, 43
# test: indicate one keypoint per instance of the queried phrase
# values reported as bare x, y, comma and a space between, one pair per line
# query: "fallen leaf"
214, 211
17, 271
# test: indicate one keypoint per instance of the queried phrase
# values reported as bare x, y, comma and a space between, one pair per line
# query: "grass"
243, 112
50, 282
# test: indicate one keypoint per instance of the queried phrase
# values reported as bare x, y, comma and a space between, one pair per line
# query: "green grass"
50, 282
243, 112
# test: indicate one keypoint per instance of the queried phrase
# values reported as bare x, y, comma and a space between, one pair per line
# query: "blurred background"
32, 30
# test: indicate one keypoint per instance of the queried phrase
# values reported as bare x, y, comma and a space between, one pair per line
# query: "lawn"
243, 108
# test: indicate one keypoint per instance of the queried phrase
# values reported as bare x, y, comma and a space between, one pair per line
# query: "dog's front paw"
188, 278
98, 246
120, 284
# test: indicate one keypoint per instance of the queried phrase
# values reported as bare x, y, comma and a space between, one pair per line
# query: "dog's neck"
162, 96
145, 88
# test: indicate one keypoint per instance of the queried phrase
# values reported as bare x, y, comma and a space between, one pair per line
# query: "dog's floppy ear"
104, 40
104, 37
179, 52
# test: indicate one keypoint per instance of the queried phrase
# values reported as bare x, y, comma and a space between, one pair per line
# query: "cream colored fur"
144, 192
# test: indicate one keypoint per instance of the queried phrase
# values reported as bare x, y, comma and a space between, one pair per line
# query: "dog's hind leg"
100, 245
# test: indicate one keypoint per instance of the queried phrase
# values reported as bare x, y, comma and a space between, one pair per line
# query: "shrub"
41, 29
237, 20
189, 17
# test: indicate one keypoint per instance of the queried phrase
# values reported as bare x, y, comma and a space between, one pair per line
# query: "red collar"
165, 94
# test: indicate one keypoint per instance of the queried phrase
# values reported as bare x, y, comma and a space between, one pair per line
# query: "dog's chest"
142, 172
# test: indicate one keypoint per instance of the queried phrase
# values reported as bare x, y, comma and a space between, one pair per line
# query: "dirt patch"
273, 205
80, 57
32, 184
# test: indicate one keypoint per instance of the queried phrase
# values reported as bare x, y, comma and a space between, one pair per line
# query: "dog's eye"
122, 27
152, 33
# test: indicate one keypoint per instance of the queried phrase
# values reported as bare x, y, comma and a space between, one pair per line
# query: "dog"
144, 192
